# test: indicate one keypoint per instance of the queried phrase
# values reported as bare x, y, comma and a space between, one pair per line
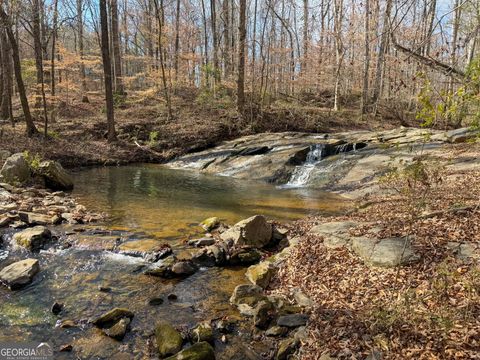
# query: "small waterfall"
301, 173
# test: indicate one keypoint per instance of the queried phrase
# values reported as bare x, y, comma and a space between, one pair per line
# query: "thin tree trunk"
159, 14
177, 40
366, 69
213, 18
117, 56
30, 126
54, 41
80, 45
107, 72
242, 34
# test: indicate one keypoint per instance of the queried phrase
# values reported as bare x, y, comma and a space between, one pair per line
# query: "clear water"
166, 205
169, 204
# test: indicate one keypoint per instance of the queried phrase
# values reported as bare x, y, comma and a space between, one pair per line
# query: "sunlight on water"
170, 203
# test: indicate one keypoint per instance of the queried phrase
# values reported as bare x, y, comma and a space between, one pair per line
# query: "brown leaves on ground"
429, 310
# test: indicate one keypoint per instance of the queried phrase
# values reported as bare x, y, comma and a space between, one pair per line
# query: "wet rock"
150, 250
38, 219
111, 317
261, 274
389, 252
162, 268
210, 223
202, 332
155, 301
204, 258
118, 330
33, 238
169, 340
292, 320
226, 326
172, 297
254, 231
56, 308
66, 348
105, 289
245, 256
263, 314
198, 351
246, 297
246, 293
184, 268
66, 324
16, 169
5, 221
206, 241
286, 348
279, 234
219, 253
20, 273
56, 178
275, 331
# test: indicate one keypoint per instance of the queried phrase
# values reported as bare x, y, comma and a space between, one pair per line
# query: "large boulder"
461, 135
169, 340
56, 178
33, 238
254, 231
388, 252
335, 234
16, 169
20, 273
199, 351
38, 219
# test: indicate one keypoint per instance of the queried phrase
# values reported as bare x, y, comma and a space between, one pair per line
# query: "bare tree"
107, 72
242, 34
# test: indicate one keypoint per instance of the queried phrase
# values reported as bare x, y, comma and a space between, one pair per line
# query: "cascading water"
301, 173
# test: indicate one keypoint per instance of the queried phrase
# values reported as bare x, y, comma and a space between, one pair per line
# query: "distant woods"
254, 51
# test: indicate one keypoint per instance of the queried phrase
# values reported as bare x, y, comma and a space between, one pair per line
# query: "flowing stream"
162, 205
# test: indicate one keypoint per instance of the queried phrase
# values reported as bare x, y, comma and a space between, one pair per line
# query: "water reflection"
169, 203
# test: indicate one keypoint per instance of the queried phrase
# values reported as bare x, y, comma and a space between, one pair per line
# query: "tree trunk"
159, 14
213, 18
177, 40
117, 60
366, 68
31, 129
242, 34
107, 72
54, 41
305, 36
80, 45
5, 77
377, 87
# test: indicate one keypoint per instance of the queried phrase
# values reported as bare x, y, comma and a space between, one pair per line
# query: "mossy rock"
202, 332
261, 274
33, 238
169, 340
111, 317
210, 223
198, 351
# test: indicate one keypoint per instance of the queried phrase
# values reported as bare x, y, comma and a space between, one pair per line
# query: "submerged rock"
16, 169
118, 330
56, 178
33, 238
150, 250
198, 351
111, 317
210, 223
184, 268
202, 332
246, 293
385, 252
254, 231
162, 268
169, 340
20, 273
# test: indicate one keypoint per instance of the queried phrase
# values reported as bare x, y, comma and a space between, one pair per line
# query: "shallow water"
164, 205
169, 203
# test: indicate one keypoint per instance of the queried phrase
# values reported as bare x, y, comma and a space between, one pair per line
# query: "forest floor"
77, 135
427, 310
